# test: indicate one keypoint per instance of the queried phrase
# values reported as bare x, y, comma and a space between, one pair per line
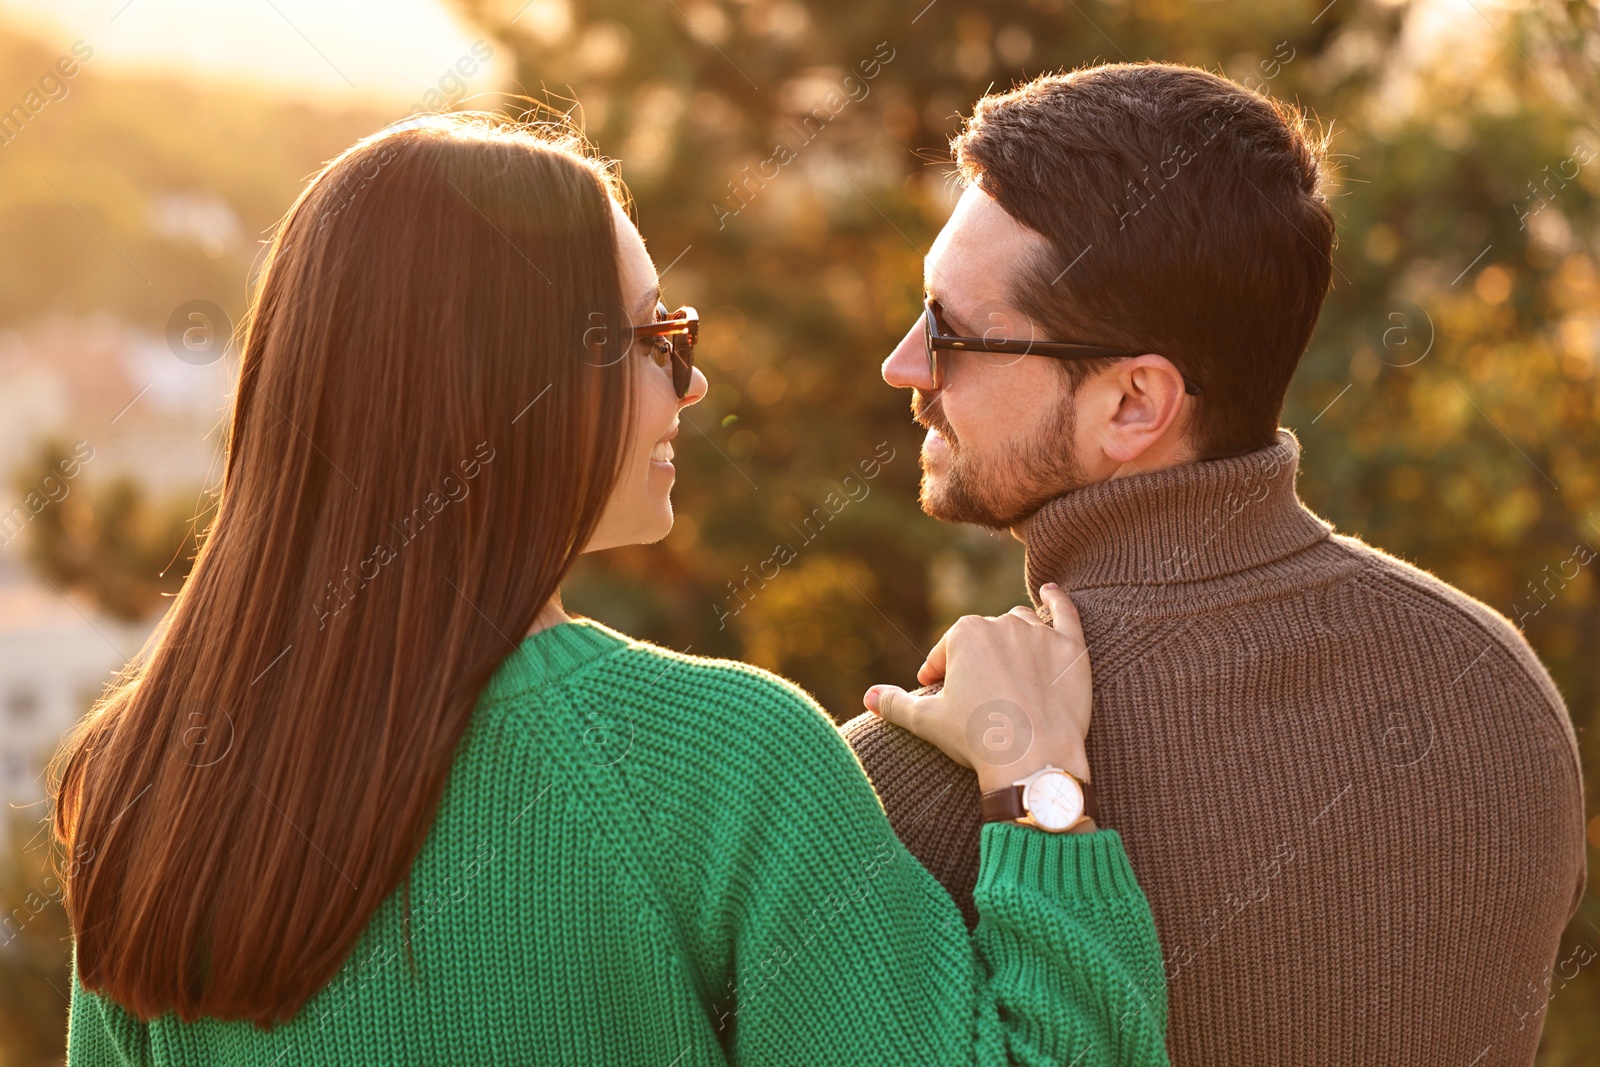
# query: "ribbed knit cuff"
1089, 866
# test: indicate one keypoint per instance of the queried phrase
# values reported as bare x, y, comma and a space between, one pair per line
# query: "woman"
371, 796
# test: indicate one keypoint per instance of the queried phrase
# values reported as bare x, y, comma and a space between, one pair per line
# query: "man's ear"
1143, 411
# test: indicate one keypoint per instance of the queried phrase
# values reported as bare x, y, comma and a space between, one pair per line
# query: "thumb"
1063, 612
892, 704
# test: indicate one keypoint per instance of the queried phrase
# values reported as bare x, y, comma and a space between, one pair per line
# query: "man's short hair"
1184, 216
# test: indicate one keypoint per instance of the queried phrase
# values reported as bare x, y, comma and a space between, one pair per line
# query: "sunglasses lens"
682, 342
682, 364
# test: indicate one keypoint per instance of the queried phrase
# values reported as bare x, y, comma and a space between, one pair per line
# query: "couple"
453, 824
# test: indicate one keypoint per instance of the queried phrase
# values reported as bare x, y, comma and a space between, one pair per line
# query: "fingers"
1026, 614
937, 665
892, 704
933, 668
926, 716
1063, 612
1008, 661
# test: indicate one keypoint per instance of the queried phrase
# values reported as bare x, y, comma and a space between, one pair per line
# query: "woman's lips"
661, 454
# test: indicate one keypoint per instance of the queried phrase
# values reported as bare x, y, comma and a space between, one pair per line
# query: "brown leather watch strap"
1005, 805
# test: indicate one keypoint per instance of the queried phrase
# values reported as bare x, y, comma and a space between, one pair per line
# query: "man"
1351, 791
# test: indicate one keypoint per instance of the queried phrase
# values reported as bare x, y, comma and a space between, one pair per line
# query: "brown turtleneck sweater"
1350, 791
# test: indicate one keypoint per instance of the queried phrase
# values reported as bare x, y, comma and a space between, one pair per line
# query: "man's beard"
999, 491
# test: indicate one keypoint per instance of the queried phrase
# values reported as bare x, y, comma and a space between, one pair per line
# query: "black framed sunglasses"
938, 337
673, 337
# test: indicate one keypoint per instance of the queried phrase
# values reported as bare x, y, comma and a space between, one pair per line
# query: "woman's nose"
697, 389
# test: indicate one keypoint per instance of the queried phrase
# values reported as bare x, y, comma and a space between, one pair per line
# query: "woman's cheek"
656, 403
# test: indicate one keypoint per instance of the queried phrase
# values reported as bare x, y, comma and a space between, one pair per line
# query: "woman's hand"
1016, 694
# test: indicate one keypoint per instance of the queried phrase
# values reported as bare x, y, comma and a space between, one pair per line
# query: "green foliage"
109, 542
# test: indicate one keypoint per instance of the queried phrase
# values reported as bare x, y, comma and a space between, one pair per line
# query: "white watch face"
1054, 800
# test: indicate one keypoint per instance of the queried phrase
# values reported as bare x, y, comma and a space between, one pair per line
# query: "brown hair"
400, 500
1195, 207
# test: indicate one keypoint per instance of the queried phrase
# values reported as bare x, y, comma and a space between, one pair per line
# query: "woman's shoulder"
717, 687
694, 749
720, 747
624, 684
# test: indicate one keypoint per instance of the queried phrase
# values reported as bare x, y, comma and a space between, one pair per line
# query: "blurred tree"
109, 543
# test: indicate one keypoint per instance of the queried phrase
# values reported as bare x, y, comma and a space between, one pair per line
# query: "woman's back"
645, 857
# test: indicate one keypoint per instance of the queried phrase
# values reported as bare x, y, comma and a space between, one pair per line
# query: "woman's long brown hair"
422, 442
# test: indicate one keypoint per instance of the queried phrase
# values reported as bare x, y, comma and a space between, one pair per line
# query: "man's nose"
907, 366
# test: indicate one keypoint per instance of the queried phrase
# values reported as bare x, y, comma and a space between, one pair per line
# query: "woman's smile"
661, 454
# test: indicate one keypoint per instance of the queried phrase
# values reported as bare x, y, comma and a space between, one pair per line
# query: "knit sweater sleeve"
806, 898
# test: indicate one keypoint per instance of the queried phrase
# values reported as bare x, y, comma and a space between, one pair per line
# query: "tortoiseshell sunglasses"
673, 337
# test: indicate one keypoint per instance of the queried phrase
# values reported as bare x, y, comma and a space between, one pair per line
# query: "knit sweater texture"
643, 857
1351, 792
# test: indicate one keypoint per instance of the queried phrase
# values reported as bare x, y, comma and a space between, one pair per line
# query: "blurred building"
148, 416
56, 656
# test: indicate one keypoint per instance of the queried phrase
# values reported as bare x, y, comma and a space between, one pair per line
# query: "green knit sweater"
647, 858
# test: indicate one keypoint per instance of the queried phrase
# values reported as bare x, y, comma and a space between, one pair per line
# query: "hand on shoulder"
1016, 693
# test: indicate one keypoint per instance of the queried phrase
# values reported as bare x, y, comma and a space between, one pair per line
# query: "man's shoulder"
1487, 689
1409, 602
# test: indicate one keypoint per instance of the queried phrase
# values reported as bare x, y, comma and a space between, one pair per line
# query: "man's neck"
1161, 455
1170, 450
1167, 530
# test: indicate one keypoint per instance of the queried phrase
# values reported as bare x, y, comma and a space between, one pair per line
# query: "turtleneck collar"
1195, 522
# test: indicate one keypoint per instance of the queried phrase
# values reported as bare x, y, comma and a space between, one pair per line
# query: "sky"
387, 52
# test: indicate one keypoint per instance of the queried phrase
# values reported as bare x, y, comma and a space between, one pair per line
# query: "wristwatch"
1049, 798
